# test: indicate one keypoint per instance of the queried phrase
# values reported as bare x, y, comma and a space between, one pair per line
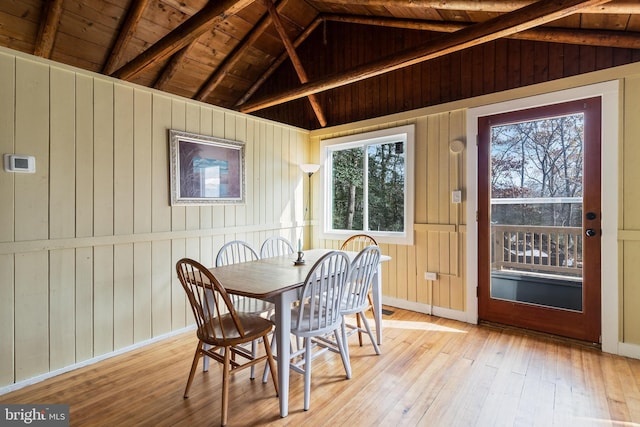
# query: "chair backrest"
234, 252
363, 269
319, 311
212, 308
358, 242
275, 246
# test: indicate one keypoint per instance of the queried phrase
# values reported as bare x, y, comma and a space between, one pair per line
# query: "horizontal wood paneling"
93, 242
488, 68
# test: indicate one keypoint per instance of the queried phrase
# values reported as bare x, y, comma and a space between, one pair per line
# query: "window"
368, 185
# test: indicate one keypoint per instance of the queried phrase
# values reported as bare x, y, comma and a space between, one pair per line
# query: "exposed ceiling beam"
134, 14
207, 18
606, 38
295, 60
173, 66
501, 26
232, 59
499, 6
274, 66
48, 29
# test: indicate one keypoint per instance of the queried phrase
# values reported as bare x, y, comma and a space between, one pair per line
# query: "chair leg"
226, 373
254, 352
344, 351
270, 364
205, 359
368, 329
359, 325
265, 374
194, 366
307, 373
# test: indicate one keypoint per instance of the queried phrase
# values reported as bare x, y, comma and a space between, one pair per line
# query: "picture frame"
206, 170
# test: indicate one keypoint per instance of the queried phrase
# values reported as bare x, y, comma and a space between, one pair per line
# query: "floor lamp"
309, 169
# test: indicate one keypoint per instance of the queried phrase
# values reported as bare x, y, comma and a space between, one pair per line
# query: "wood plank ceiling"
285, 59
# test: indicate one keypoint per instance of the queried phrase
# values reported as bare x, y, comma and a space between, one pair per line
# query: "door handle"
590, 232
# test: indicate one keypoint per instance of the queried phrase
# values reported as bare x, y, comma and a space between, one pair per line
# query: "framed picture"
205, 170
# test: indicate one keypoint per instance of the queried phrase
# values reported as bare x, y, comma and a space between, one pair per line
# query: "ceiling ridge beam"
501, 26
208, 17
605, 38
495, 6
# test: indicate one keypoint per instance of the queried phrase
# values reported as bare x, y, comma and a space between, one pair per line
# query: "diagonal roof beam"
501, 26
295, 60
134, 14
497, 6
175, 64
274, 66
208, 17
606, 38
48, 28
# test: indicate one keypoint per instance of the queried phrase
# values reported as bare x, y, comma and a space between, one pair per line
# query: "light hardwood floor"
432, 372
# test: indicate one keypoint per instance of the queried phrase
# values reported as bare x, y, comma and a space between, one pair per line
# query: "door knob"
590, 232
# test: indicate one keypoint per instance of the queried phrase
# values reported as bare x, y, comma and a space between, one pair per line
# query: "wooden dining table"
277, 280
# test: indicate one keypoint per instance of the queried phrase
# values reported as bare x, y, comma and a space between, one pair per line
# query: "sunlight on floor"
420, 326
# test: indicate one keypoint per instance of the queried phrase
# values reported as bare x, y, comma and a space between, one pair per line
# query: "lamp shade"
309, 168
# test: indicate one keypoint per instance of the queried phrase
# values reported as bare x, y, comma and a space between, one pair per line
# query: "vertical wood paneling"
123, 147
142, 156
84, 304
62, 320
178, 122
7, 130
32, 314
160, 199
230, 133
32, 138
123, 294
7, 317
433, 175
103, 284
162, 271
103, 158
218, 130
421, 153
142, 289
179, 250
206, 122
192, 124
109, 178
84, 156
62, 177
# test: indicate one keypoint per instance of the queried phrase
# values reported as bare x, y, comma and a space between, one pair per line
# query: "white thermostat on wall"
18, 163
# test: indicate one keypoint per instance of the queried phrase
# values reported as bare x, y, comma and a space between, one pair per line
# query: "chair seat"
254, 328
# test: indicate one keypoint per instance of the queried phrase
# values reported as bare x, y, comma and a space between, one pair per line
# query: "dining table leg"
377, 302
283, 327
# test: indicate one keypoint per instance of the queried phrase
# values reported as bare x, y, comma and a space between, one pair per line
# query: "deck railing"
538, 249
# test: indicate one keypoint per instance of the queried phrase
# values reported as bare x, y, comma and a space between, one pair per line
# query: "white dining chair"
355, 299
275, 246
319, 314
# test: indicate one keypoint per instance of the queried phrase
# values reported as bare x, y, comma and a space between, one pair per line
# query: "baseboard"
33, 380
425, 308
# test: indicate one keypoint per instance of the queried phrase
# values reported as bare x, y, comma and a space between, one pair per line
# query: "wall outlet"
456, 196
430, 276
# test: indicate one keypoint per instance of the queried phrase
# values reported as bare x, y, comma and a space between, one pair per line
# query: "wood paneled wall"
439, 224
488, 68
89, 242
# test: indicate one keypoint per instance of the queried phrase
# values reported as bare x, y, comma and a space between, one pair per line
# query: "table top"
268, 277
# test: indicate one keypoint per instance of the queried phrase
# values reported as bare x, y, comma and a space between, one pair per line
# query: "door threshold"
558, 338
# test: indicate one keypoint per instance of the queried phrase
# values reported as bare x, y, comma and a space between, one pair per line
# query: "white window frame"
404, 133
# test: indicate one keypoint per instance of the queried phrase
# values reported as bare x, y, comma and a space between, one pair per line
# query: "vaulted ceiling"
228, 52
